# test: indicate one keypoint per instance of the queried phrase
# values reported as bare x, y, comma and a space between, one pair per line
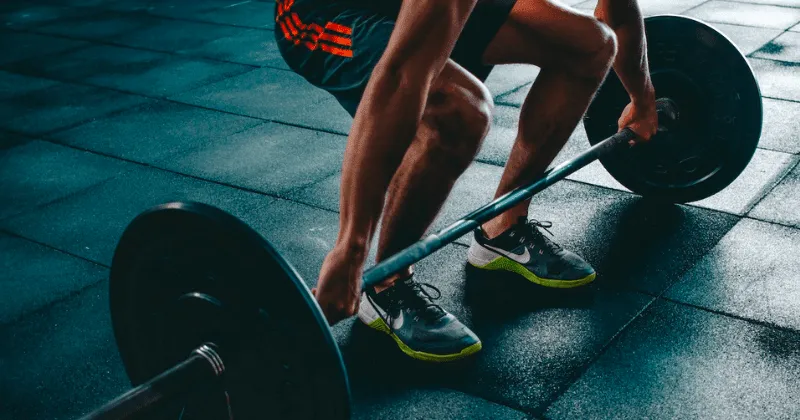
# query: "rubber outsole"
506, 264
379, 325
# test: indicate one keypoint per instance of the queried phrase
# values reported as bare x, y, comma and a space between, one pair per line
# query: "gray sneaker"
422, 329
525, 250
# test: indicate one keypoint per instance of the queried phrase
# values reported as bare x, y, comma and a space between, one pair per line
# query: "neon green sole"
379, 325
506, 264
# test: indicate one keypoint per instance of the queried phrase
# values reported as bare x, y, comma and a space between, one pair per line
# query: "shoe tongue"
407, 282
524, 225
430, 311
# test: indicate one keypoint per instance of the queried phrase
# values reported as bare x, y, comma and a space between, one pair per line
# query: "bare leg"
575, 52
455, 122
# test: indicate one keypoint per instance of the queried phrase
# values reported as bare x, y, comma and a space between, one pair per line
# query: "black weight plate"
720, 114
187, 273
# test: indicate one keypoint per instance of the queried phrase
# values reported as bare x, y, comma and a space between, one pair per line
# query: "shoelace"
410, 293
533, 236
425, 303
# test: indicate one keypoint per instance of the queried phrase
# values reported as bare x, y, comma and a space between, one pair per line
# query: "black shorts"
335, 44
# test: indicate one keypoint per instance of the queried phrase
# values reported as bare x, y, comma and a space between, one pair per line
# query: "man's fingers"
335, 313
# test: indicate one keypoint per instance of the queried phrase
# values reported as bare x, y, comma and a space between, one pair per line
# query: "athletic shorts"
335, 44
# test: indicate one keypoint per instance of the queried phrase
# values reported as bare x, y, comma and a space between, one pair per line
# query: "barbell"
212, 322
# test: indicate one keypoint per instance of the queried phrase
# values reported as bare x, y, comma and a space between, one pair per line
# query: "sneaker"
525, 250
422, 329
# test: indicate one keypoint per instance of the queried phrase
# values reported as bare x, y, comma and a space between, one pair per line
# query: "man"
411, 73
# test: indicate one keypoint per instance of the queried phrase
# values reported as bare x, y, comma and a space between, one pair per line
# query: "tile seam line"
772, 222
80, 290
111, 43
152, 166
78, 192
274, 196
714, 311
195, 20
585, 367
184, 19
762, 4
752, 54
763, 96
278, 197
628, 193
730, 315
51, 247
49, 305
45, 134
261, 119
717, 22
86, 190
519, 410
511, 92
48, 136
613, 339
455, 243
640, 315
659, 296
787, 63
515, 408
158, 98
796, 101
695, 7
83, 83
788, 171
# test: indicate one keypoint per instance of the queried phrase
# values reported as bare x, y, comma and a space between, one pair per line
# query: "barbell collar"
201, 369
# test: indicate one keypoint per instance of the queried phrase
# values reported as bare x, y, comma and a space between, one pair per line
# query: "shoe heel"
480, 257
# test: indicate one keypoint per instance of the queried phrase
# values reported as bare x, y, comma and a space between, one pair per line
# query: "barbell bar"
200, 370
212, 322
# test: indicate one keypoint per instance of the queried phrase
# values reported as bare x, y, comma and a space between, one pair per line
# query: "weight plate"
719, 106
184, 274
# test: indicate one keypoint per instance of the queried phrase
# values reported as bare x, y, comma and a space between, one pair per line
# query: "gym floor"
110, 107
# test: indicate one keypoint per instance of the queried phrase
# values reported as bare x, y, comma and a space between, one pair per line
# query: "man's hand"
338, 289
625, 19
641, 118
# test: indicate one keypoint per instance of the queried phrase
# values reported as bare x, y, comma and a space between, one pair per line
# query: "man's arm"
625, 19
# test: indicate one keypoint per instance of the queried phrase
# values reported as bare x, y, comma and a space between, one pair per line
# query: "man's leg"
456, 119
575, 52
419, 174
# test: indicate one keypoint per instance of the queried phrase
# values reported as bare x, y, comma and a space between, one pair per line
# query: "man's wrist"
646, 97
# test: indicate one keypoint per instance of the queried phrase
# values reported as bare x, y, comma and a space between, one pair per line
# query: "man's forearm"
631, 62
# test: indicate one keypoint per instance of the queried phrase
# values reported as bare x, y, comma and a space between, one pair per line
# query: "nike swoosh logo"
524, 258
397, 322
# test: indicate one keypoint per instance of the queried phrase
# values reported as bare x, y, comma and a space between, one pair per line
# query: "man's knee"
602, 54
459, 118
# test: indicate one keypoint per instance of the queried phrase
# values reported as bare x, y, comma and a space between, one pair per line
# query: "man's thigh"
544, 33
336, 45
